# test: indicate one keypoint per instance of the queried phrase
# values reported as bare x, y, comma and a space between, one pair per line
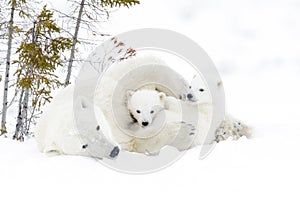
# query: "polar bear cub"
66, 127
230, 127
160, 121
198, 91
144, 105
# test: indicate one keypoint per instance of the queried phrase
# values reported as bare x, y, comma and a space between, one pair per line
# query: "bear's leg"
231, 127
185, 137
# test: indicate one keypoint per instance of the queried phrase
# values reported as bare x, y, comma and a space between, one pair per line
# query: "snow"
265, 166
254, 45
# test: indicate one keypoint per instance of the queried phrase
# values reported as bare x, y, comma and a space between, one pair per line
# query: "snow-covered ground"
254, 44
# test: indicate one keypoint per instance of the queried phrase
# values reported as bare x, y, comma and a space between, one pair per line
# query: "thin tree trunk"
19, 118
22, 120
27, 122
31, 118
25, 112
6, 80
75, 38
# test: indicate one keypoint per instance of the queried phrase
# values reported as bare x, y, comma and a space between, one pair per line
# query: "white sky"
237, 35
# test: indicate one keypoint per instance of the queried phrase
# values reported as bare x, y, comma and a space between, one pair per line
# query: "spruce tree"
40, 54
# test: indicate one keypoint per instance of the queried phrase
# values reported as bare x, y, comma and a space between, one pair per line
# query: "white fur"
165, 126
111, 97
230, 127
145, 104
198, 91
182, 124
195, 115
57, 133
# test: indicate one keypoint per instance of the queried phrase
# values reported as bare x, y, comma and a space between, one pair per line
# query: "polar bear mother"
66, 127
110, 94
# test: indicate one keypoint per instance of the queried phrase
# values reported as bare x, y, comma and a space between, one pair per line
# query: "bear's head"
197, 91
144, 105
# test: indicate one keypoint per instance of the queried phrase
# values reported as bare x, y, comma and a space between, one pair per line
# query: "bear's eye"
138, 111
152, 111
98, 128
201, 90
190, 87
84, 146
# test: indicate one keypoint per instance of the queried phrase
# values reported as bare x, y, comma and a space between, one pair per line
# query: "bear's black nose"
189, 96
114, 152
145, 123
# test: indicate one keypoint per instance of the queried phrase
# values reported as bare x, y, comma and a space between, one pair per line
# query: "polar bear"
144, 105
197, 91
230, 127
135, 73
158, 122
196, 115
66, 127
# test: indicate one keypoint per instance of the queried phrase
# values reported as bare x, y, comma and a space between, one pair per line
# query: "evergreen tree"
39, 56
17, 8
40, 51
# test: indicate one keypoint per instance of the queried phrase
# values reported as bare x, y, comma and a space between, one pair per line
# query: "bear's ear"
129, 93
83, 102
161, 96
